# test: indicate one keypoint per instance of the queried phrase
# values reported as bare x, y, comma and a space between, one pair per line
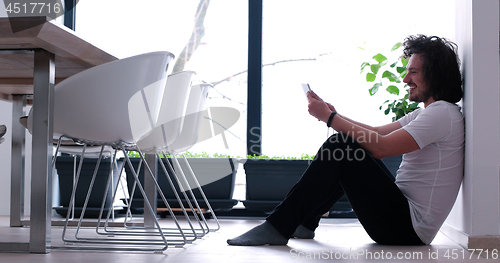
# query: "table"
32, 61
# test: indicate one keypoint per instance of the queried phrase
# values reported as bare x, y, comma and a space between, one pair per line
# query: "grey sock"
303, 233
263, 234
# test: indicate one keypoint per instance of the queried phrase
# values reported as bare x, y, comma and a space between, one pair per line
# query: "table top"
72, 53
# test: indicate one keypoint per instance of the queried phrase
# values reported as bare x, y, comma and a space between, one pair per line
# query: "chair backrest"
172, 112
116, 101
194, 115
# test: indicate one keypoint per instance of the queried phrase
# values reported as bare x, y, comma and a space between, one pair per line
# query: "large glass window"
320, 42
126, 28
323, 43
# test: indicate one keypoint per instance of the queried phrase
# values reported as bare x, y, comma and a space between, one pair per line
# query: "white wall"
5, 148
5, 159
476, 214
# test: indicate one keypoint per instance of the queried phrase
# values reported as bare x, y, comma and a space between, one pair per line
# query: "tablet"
306, 88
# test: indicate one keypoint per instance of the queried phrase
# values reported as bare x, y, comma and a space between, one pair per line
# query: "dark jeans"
342, 166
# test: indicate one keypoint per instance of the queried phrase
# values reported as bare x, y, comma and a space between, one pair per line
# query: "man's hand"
330, 106
318, 108
383, 141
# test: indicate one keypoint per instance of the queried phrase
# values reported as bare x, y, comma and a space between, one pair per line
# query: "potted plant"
215, 173
268, 181
382, 74
66, 166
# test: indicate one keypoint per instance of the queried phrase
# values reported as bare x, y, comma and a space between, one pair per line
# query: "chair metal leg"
151, 239
132, 194
129, 244
119, 184
191, 229
107, 231
125, 194
89, 191
132, 237
190, 191
109, 182
113, 232
74, 179
136, 177
196, 235
205, 199
160, 192
73, 192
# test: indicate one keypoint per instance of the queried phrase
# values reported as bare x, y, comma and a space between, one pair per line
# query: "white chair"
170, 120
171, 116
68, 146
155, 143
114, 104
191, 123
188, 137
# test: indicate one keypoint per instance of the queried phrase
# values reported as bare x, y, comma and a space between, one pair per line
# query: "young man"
409, 210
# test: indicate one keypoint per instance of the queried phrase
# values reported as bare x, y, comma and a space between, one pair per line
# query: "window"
126, 28
313, 41
318, 42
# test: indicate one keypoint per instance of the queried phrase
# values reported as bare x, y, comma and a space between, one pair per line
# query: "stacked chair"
168, 128
188, 138
153, 144
115, 106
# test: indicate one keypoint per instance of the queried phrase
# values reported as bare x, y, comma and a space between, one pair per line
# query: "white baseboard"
470, 242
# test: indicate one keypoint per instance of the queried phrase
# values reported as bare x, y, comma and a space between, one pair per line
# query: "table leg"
41, 169
17, 162
150, 189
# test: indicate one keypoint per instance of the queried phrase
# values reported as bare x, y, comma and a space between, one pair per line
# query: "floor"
336, 239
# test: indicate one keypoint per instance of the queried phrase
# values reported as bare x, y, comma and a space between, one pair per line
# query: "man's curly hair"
441, 65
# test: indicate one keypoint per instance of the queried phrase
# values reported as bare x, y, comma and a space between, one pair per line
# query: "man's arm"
383, 141
379, 145
382, 130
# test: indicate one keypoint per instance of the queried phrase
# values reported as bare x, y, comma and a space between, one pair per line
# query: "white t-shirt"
430, 177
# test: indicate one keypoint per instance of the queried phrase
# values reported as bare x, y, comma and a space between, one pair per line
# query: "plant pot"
268, 182
65, 170
215, 175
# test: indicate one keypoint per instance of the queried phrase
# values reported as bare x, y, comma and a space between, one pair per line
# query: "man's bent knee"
341, 147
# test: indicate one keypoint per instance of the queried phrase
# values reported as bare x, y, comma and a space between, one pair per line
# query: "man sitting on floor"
409, 210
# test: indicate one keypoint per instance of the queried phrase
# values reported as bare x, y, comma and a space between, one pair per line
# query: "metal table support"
41, 173
150, 189
17, 162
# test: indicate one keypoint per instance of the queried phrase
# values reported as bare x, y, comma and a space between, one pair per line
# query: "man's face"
419, 91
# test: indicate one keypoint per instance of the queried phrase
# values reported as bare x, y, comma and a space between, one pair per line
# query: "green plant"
389, 75
189, 155
302, 157
218, 155
206, 155
132, 154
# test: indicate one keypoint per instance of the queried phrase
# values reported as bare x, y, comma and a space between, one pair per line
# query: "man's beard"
421, 96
